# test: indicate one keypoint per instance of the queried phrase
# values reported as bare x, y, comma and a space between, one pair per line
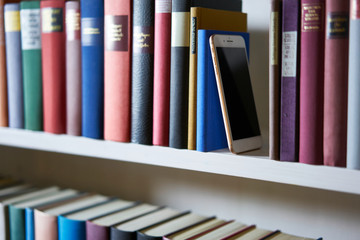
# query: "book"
336, 82
17, 213
73, 68
197, 230
172, 226
3, 77
224, 231
312, 81
53, 65
179, 73
289, 90
117, 80
353, 130
73, 225
206, 18
14, 65
285, 236
100, 228
162, 58
31, 63
210, 127
128, 230
142, 71
253, 233
92, 61
274, 78
13, 189
46, 218
28, 208
5, 220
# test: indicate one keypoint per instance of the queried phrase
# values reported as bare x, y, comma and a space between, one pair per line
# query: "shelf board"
254, 165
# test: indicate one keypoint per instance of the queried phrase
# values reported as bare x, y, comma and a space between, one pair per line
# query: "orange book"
206, 18
117, 81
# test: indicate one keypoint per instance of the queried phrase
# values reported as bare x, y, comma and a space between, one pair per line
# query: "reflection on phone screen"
238, 92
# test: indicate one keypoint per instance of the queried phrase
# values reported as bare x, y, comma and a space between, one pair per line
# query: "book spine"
31, 62
312, 82
29, 224
17, 223
92, 61
179, 73
71, 229
46, 226
73, 68
96, 232
3, 79
142, 71
162, 58
116, 234
117, 81
4, 222
336, 82
274, 78
289, 97
53, 66
353, 131
14, 65
192, 80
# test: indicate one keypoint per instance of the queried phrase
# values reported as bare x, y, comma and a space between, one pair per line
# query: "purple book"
289, 124
95, 232
73, 69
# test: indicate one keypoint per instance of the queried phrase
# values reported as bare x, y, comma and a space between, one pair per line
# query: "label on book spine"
91, 32
30, 29
52, 20
180, 25
337, 25
355, 9
143, 39
274, 26
116, 33
2, 36
73, 24
289, 54
163, 6
193, 35
12, 21
312, 17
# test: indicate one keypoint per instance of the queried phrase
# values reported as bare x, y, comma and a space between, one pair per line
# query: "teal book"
31, 62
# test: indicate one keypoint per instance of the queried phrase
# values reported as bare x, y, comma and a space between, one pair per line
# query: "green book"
31, 57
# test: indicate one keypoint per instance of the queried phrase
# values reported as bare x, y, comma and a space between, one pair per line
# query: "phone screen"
238, 92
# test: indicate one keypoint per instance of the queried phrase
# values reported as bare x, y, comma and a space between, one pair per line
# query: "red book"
3, 79
117, 81
162, 46
336, 82
53, 65
312, 81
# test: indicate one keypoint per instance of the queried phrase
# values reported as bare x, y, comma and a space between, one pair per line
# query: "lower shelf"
254, 165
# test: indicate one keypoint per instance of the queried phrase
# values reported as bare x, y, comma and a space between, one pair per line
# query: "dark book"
274, 78
92, 61
73, 68
336, 82
14, 65
353, 131
289, 93
312, 81
142, 71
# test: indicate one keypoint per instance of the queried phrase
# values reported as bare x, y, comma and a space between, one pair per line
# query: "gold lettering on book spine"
312, 17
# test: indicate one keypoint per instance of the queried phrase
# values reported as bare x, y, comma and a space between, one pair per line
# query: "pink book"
336, 82
311, 81
162, 51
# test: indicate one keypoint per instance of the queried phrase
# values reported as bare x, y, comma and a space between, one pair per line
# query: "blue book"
210, 130
14, 65
70, 229
29, 224
92, 46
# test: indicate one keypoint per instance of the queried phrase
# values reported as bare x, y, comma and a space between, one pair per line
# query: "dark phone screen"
238, 92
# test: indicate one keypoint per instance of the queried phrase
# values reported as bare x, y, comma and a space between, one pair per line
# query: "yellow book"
211, 19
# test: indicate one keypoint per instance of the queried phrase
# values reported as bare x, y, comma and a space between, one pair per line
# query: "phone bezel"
237, 41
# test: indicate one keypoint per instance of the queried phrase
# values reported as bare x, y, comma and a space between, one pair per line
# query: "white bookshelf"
254, 165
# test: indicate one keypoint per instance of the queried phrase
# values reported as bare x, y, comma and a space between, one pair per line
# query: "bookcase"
311, 201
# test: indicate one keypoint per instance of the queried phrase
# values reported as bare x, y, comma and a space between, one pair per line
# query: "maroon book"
96, 232
312, 81
73, 69
336, 82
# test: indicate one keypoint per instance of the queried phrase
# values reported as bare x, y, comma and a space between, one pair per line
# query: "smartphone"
235, 92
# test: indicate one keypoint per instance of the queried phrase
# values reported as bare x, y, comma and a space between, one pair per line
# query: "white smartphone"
235, 92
